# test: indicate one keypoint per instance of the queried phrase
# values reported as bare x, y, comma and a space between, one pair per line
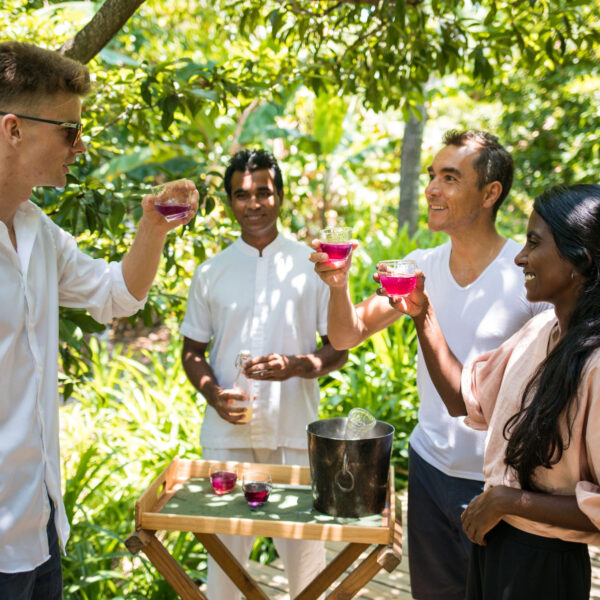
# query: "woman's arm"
486, 511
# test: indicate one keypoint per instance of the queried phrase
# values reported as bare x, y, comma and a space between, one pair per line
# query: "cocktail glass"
173, 199
222, 479
242, 408
336, 242
397, 277
257, 487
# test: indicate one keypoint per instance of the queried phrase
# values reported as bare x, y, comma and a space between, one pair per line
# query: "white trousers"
302, 559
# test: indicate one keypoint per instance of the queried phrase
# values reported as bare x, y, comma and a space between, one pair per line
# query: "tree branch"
100, 30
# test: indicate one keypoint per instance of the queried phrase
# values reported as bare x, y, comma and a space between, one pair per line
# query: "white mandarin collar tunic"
272, 302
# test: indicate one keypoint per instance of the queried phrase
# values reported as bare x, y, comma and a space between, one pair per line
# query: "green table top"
286, 503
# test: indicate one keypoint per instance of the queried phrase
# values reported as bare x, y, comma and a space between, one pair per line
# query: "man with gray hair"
479, 296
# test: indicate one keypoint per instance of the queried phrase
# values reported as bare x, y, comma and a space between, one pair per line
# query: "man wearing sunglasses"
40, 270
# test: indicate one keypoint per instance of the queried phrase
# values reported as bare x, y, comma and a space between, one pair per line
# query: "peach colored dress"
492, 386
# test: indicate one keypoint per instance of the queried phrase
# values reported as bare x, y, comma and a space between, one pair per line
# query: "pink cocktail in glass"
257, 487
173, 211
256, 493
398, 285
173, 200
397, 277
222, 481
336, 251
336, 242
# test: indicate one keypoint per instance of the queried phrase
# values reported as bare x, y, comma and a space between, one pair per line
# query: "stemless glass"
222, 479
336, 242
173, 199
257, 487
359, 423
397, 277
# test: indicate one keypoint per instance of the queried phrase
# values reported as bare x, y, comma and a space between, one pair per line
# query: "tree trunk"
410, 169
104, 25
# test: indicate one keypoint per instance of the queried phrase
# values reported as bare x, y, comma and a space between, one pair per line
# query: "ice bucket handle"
344, 474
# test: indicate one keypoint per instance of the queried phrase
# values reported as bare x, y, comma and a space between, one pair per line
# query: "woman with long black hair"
538, 395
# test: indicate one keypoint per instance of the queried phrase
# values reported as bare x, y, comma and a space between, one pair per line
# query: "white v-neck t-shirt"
475, 319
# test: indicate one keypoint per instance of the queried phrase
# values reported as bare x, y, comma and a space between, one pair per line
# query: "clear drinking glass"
397, 277
336, 242
173, 199
222, 479
257, 487
358, 424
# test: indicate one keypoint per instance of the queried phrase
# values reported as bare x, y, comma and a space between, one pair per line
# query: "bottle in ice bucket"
359, 423
245, 386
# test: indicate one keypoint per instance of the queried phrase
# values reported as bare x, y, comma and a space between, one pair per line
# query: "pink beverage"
398, 285
222, 482
336, 251
256, 493
172, 211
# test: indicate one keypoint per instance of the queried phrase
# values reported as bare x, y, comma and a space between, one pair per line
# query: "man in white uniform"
40, 270
479, 296
259, 294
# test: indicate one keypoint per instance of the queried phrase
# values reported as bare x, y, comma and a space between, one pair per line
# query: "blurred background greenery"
346, 94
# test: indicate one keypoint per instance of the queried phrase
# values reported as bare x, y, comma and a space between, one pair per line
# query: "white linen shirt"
46, 271
269, 303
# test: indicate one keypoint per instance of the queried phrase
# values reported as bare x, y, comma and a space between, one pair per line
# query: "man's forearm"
140, 264
201, 376
444, 368
321, 362
343, 325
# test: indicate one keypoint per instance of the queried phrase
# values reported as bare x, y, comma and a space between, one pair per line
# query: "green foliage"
118, 433
326, 86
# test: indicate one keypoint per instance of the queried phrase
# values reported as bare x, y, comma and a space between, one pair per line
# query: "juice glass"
257, 487
397, 277
222, 479
336, 242
173, 200
243, 408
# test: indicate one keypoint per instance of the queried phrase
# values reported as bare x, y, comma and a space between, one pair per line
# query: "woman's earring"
572, 274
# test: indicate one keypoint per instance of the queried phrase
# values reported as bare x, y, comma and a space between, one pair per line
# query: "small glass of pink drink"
222, 479
173, 200
397, 277
336, 242
257, 487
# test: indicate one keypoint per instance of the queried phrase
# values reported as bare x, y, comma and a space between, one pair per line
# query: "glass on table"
336, 242
397, 277
173, 199
257, 487
222, 479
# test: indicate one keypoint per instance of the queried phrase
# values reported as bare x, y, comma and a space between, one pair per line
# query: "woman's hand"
486, 511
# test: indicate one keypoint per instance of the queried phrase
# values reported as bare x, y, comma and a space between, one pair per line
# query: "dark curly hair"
253, 160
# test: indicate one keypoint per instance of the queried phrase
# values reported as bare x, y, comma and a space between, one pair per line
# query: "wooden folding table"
181, 499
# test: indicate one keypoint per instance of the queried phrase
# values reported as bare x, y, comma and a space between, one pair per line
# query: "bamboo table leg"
166, 565
382, 557
332, 571
352, 584
236, 572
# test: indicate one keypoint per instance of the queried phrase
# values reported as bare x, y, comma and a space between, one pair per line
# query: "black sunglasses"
73, 129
